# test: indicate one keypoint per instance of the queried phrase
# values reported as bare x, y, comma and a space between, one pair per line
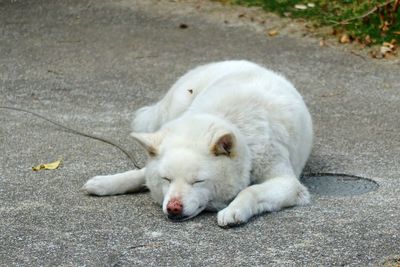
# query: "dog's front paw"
99, 186
233, 216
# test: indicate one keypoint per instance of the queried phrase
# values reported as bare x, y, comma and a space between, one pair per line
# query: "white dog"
230, 136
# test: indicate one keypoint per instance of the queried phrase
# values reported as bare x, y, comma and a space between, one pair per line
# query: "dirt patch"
272, 26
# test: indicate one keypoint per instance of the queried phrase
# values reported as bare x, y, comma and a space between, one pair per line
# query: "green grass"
358, 18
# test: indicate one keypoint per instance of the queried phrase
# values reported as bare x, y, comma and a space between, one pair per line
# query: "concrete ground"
90, 64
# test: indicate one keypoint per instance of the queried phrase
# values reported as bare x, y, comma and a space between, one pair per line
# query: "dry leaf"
389, 45
322, 42
389, 56
367, 40
385, 49
344, 39
385, 26
300, 6
374, 54
388, 49
398, 33
273, 33
47, 166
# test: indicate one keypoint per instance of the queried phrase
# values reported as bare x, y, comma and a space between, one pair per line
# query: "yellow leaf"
47, 166
273, 33
344, 39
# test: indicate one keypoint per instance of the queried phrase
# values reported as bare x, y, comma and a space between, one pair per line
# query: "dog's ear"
224, 145
149, 141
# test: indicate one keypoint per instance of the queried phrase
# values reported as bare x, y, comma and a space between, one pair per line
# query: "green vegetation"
367, 21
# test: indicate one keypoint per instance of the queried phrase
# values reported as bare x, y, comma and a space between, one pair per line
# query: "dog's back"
181, 95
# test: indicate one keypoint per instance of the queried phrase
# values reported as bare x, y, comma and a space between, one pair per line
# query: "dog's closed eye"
166, 179
198, 181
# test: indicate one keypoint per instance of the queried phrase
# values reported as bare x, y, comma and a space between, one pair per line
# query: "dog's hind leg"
172, 105
175, 102
121, 183
271, 195
150, 118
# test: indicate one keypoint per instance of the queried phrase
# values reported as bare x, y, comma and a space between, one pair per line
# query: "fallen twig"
151, 245
377, 7
357, 54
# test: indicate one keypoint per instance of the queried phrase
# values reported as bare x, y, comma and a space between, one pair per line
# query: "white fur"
267, 122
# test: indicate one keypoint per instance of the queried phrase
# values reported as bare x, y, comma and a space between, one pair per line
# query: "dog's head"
195, 164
